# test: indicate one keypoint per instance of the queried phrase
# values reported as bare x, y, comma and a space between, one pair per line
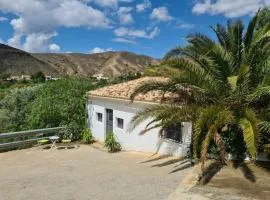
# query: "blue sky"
150, 27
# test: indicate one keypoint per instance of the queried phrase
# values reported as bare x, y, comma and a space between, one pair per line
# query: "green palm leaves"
221, 86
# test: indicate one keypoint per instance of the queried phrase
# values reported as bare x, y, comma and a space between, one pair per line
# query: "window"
120, 123
174, 132
99, 117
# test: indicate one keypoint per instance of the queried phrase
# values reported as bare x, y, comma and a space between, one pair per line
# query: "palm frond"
164, 114
209, 136
248, 38
264, 127
260, 93
233, 81
249, 127
235, 33
200, 41
222, 35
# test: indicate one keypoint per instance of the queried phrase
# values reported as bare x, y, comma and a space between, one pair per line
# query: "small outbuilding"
110, 110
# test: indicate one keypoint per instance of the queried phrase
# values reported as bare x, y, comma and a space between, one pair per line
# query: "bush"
15, 108
71, 131
112, 144
87, 136
38, 77
61, 103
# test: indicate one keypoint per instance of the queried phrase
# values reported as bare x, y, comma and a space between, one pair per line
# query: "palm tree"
221, 86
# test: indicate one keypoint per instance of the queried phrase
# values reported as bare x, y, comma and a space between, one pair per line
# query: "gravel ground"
86, 173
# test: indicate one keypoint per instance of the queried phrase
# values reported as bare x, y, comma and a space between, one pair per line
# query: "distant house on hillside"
110, 110
49, 78
19, 78
26, 77
100, 76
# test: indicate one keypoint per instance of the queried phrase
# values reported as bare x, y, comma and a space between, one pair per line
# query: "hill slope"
110, 63
16, 62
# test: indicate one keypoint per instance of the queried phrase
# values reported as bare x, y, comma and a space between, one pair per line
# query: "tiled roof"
124, 90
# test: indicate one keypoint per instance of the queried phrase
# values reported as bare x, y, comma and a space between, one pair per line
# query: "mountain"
14, 61
110, 64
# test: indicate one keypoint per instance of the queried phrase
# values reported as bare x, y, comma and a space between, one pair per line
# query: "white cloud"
39, 42
38, 19
143, 6
99, 50
1, 41
136, 33
15, 41
54, 48
229, 8
161, 14
184, 26
108, 3
123, 40
124, 15
2, 19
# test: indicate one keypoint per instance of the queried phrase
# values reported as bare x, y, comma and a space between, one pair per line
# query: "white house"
100, 76
109, 109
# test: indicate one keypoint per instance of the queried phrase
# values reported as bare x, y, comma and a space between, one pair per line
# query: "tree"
38, 77
222, 87
61, 103
15, 108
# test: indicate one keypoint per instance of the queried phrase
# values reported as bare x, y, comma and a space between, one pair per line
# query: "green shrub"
61, 103
15, 108
112, 144
87, 136
71, 131
38, 77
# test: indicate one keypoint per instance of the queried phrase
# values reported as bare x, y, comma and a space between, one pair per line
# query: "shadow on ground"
210, 172
263, 165
178, 163
245, 168
156, 158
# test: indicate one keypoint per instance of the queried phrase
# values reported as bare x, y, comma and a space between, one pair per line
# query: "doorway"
109, 121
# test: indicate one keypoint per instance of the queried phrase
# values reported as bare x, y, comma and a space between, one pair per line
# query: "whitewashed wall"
132, 139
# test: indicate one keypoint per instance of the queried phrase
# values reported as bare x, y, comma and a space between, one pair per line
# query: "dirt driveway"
86, 173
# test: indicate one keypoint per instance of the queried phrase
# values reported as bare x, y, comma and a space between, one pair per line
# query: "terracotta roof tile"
124, 90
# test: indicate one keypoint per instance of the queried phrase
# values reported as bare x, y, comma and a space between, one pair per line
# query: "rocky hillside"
110, 64
16, 62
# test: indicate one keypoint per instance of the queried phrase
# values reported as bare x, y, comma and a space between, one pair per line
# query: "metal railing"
20, 139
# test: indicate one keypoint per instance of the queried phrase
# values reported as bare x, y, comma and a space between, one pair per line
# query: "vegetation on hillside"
52, 104
223, 87
35, 104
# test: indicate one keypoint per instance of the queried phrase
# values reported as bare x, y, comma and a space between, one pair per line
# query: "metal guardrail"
34, 134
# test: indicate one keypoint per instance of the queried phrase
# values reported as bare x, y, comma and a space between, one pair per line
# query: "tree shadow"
265, 165
185, 161
169, 162
246, 170
248, 173
155, 159
210, 172
184, 165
